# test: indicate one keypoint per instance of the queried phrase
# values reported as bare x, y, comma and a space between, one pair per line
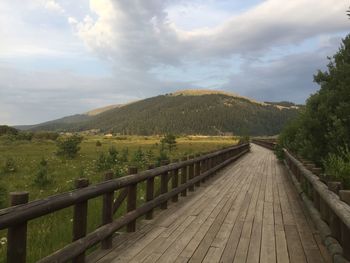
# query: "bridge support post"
107, 212
17, 235
149, 193
131, 201
175, 182
184, 177
164, 186
191, 174
197, 171
80, 218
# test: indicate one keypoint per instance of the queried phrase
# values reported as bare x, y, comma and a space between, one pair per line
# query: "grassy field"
52, 232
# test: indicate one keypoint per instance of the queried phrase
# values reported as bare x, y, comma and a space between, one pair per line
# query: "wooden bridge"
249, 213
233, 205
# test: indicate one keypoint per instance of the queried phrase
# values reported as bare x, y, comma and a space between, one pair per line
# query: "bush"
7, 130
41, 178
9, 166
170, 141
337, 166
124, 156
244, 139
98, 144
107, 161
69, 146
46, 135
139, 158
3, 196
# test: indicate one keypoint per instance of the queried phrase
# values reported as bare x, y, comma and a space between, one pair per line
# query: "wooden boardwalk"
249, 212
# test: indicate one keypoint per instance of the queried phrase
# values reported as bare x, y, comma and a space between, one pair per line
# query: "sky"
62, 57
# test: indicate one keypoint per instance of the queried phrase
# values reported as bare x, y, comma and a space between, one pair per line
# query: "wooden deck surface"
249, 212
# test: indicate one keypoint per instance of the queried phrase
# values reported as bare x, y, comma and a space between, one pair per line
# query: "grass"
50, 233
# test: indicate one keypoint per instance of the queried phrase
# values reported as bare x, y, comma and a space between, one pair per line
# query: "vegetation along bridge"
233, 205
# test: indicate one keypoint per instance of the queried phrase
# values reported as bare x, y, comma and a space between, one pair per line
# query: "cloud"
268, 50
140, 34
289, 77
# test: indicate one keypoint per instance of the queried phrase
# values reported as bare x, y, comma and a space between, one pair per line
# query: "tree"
69, 146
170, 141
322, 130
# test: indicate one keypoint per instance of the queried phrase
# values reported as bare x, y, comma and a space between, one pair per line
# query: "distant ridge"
206, 112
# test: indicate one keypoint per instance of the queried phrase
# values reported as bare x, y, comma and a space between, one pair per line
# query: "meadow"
51, 232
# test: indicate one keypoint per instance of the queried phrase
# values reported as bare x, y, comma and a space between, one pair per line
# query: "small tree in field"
170, 141
69, 146
3, 195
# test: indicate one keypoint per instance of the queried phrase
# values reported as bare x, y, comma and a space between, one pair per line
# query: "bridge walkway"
249, 212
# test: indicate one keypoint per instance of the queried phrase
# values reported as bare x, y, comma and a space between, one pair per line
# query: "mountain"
183, 112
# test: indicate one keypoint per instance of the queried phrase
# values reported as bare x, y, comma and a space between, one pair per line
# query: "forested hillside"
205, 113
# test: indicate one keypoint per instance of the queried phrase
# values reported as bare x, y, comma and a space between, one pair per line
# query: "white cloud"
139, 33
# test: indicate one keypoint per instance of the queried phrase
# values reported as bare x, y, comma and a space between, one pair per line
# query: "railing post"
191, 173
150, 193
184, 177
107, 212
344, 195
334, 222
164, 186
17, 235
175, 181
131, 201
197, 170
204, 169
80, 218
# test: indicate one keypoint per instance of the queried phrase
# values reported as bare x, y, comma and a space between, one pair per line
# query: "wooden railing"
192, 172
270, 144
331, 203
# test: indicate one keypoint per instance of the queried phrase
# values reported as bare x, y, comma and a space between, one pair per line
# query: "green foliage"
7, 130
45, 135
124, 155
3, 196
162, 156
244, 139
170, 141
139, 158
324, 125
98, 144
109, 161
337, 166
42, 178
68, 146
9, 166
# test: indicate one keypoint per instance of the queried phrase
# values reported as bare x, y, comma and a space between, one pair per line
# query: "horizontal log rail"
332, 203
270, 144
17, 216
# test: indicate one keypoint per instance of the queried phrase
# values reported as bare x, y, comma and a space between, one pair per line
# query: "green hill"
184, 112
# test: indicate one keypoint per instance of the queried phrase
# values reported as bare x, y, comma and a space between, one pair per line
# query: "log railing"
331, 203
270, 144
191, 171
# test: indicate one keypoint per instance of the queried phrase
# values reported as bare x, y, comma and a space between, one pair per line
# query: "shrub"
3, 196
170, 141
69, 146
4, 129
139, 158
244, 139
9, 166
124, 156
113, 155
163, 155
337, 166
44, 135
41, 178
98, 144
